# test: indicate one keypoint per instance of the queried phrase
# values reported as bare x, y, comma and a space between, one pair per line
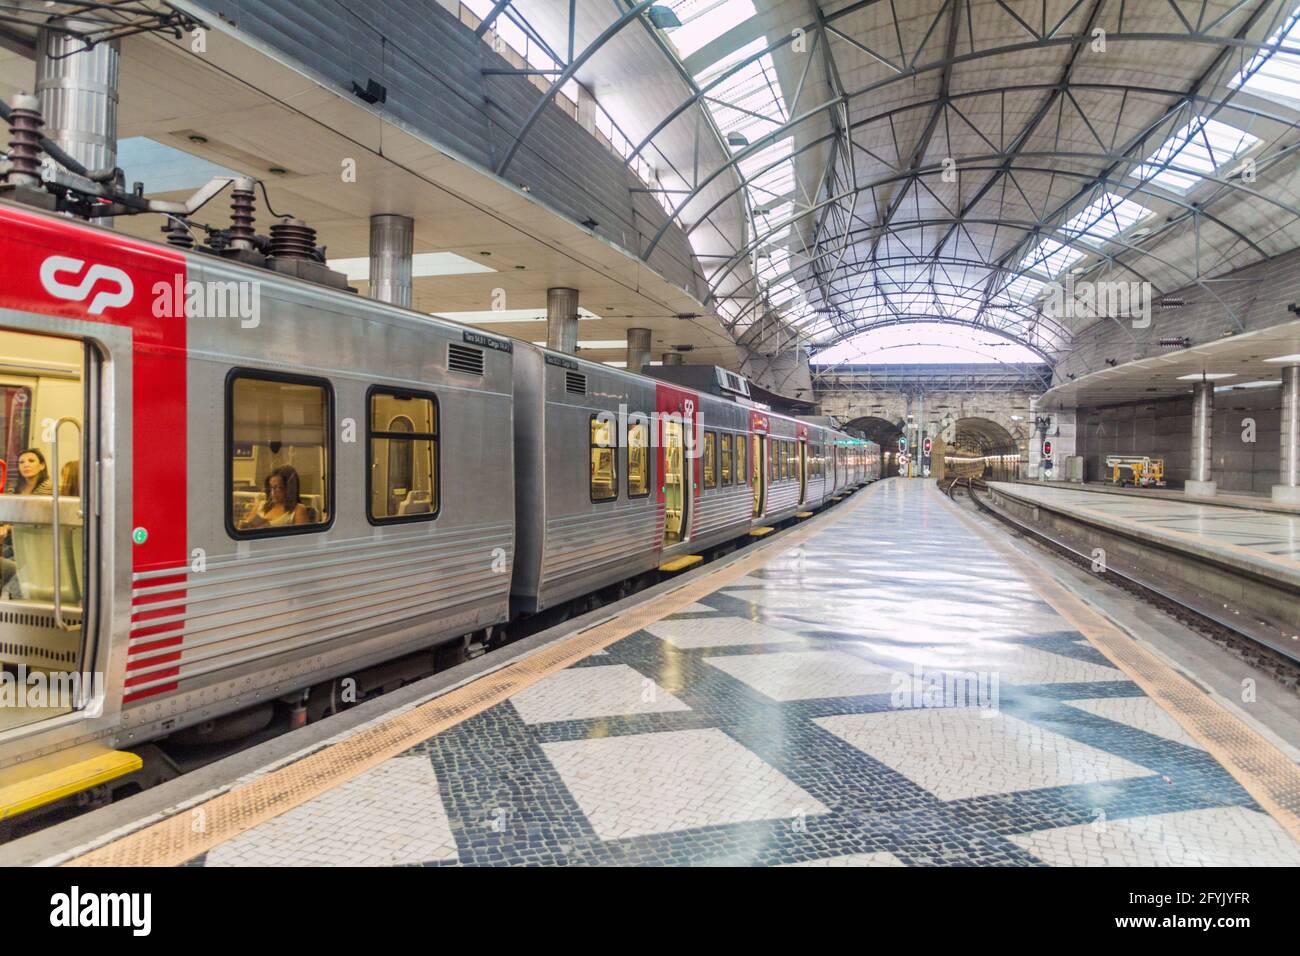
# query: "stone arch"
963, 439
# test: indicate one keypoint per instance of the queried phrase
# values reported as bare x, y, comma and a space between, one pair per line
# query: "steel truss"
858, 243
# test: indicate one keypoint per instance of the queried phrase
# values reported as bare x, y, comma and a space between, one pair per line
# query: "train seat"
416, 503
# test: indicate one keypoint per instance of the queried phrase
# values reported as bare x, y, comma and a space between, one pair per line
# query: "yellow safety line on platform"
1265, 772
196, 830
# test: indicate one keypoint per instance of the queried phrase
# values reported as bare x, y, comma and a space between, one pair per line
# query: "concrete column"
1065, 443
918, 452
562, 320
638, 349
1034, 460
1288, 492
674, 358
78, 93
392, 243
1200, 482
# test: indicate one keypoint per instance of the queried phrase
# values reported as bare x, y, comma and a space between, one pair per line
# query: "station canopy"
844, 166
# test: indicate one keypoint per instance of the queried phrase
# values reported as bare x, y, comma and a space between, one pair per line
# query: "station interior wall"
1164, 430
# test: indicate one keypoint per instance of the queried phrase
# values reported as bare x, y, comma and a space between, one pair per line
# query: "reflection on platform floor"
889, 693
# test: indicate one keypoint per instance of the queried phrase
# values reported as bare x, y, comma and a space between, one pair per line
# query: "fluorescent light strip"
423, 265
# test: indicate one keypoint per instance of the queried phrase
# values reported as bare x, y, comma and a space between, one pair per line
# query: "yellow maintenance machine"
1136, 470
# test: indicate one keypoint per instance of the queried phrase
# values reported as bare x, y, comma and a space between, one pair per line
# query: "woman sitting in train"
33, 479
70, 480
282, 506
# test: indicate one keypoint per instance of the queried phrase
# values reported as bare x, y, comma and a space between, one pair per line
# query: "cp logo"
117, 295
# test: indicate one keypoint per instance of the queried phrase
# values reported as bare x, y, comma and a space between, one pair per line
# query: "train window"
710, 460
604, 455
279, 454
403, 480
725, 461
774, 459
741, 476
638, 459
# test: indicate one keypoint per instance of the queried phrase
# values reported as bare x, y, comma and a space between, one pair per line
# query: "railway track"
1239, 638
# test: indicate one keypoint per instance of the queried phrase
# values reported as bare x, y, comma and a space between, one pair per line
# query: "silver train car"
210, 519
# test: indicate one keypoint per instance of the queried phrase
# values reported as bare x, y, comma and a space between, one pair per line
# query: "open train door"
802, 431
758, 459
48, 425
677, 410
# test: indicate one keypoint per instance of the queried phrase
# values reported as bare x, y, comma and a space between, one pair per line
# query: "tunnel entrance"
976, 448
885, 434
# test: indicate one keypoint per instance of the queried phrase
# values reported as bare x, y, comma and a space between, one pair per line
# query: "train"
245, 515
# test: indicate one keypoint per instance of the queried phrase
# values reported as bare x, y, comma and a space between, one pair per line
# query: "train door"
676, 495
803, 470
758, 455
45, 577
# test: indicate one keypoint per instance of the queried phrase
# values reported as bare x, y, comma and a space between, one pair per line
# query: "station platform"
888, 684
1265, 542
1253, 502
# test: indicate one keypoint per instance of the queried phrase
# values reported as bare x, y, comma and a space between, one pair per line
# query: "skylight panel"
1023, 289
1198, 149
703, 21
1051, 258
1104, 219
714, 70
1271, 74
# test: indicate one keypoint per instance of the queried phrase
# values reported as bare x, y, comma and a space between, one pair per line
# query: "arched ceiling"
846, 163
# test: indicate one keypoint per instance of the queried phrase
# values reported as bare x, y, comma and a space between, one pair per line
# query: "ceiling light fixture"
663, 18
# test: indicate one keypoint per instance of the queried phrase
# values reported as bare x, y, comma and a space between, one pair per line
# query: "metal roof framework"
927, 148
923, 379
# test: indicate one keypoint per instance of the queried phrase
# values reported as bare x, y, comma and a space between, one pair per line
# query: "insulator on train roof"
178, 233
293, 252
25, 122
242, 208
292, 239
21, 181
